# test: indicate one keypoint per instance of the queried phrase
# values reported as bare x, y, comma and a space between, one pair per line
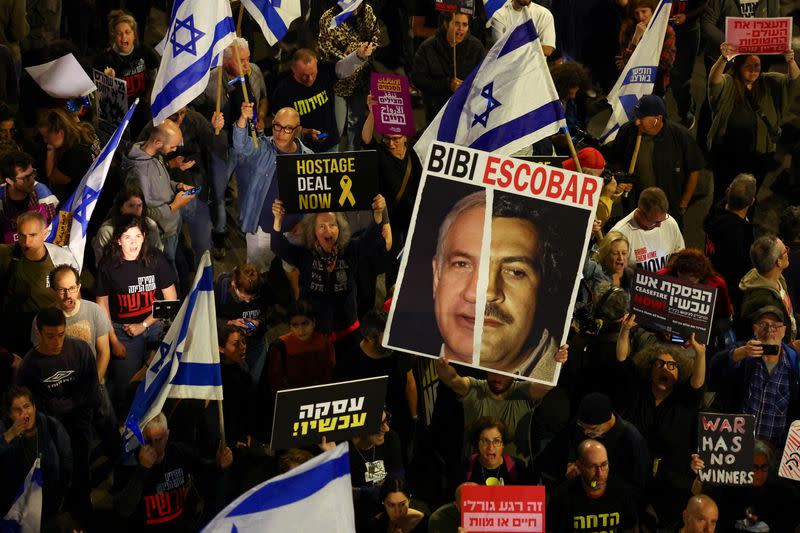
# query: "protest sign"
758, 36
673, 305
313, 183
514, 234
790, 462
549, 160
502, 508
455, 6
112, 96
336, 411
393, 114
725, 444
62, 78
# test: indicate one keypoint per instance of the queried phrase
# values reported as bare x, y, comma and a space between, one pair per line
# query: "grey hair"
764, 253
476, 199
309, 235
742, 191
240, 42
158, 421
759, 446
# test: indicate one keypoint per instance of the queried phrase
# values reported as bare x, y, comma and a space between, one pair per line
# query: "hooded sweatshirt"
158, 188
760, 292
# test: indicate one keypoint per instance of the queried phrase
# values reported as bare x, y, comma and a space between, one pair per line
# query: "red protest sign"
503, 508
759, 35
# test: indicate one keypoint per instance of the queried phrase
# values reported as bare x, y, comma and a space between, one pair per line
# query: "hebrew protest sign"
393, 114
790, 462
313, 183
502, 242
336, 411
725, 444
455, 6
759, 36
500, 508
673, 305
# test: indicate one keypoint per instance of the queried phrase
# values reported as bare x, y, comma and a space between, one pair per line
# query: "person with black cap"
668, 156
760, 376
592, 500
627, 449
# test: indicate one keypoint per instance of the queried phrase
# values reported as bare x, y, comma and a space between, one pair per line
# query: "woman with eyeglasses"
747, 109
130, 278
665, 385
397, 516
491, 465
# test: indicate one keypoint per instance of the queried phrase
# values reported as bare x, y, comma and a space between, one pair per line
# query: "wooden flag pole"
219, 94
239, 20
455, 72
223, 443
572, 151
244, 91
632, 166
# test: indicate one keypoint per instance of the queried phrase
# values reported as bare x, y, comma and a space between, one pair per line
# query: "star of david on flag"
73, 219
273, 16
507, 103
199, 31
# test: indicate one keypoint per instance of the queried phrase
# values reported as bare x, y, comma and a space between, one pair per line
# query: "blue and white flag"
273, 16
187, 363
315, 496
25, 515
348, 7
199, 31
507, 103
490, 6
72, 220
639, 75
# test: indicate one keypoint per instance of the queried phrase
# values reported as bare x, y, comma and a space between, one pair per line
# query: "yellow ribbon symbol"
346, 184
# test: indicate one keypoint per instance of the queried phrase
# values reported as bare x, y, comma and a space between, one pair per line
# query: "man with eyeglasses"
24, 283
309, 90
592, 500
259, 189
654, 236
764, 285
760, 376
21, 193
85, 319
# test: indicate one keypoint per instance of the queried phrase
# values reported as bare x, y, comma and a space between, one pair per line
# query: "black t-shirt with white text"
571, 510
133, 287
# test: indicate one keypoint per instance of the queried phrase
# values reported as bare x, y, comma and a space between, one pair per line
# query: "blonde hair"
116, 18
75, 132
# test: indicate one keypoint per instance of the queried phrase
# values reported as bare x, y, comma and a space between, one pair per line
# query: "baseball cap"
650, 105
777, 311
588, 157
595, 408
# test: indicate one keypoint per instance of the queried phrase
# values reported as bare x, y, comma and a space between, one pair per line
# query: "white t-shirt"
650, 250
506, 18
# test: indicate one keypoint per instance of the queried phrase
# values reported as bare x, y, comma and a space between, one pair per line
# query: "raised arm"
449, 376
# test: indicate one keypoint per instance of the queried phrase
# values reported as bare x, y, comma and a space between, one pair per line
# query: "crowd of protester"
613, 442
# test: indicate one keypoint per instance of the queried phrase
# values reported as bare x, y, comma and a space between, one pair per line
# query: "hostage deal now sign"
759, 36
313, 183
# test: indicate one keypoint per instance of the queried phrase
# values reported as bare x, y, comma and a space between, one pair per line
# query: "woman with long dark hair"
130, 278
747, 109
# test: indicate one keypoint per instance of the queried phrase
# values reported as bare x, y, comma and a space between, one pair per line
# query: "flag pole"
455, 73
223, 441
244, 89
239, 20
219, 94
635, 156
572, 151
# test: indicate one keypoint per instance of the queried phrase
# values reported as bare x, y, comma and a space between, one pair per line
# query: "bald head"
164, 139
700, 515
590, 447
288, 116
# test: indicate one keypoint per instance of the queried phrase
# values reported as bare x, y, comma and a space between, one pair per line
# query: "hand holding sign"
727, 50
278, 212
378, 205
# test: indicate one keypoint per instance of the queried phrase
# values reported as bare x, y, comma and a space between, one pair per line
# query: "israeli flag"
187, 363
490, 6
507, 103
348, 7
25, 514
69, 226
639, 75
273, 16
199, 31
315, 496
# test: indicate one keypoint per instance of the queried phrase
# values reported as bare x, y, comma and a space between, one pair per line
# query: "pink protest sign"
393, 114
759, 36
502, 509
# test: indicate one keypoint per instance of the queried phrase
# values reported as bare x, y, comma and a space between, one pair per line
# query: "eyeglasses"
67, 290
285, 129
766, 327
761, 468
28, 177
497, 442
387, 419
660, 363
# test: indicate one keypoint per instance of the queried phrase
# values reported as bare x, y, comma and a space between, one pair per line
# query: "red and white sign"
503, 508
759, 36
790, 463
